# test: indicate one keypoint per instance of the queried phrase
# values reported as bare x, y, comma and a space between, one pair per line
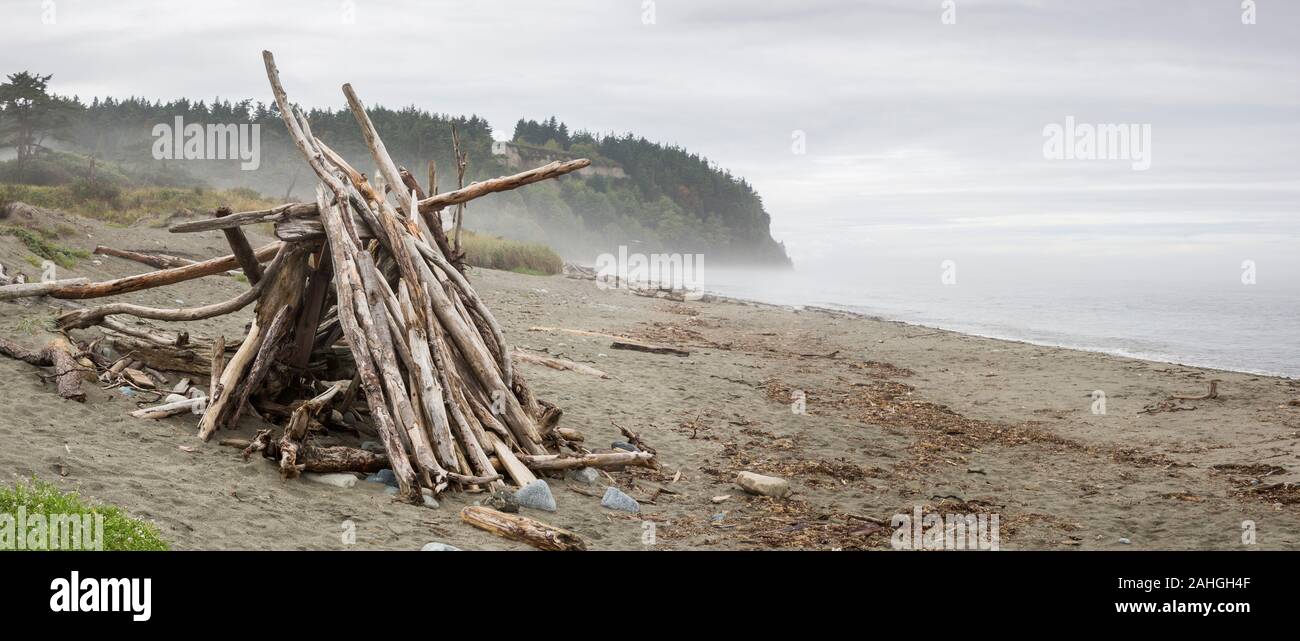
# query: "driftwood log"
57, 353
557, 363
522, 528
51, 288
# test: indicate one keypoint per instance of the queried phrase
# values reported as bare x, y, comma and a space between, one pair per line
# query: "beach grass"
41, 243
129, 205
121, 532
494, 252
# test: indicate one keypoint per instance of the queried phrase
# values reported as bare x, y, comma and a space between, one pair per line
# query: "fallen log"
338, 458
167, 358
620, 342
604, 460
651, 349
57, 354
557, 363
170, 409
160, 261
51, 288
523, 529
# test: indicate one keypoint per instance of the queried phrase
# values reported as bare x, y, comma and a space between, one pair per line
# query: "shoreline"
1115, 352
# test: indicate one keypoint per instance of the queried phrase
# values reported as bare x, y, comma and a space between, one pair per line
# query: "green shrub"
38, 244
121, 532
104, 192
491, 252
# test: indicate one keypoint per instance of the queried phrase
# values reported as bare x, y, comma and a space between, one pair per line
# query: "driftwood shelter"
361, 308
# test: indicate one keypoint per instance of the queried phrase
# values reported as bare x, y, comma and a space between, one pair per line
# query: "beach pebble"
384, 476
1125, 541
126, 391
627, 447
721, 498
718, 517
337, 480
763, 485
615, 499
372, 446
429, 501
439, 547
587, 475
536, 495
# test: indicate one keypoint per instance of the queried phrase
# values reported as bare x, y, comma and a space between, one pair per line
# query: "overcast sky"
910, 123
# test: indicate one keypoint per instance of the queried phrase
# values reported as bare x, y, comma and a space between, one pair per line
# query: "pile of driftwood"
362, 311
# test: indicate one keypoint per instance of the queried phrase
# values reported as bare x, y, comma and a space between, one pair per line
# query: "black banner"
211, 591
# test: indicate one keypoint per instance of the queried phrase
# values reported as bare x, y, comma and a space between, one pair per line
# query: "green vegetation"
39, 242
126, 206
670, 200
32, 325
494, 252
120, 531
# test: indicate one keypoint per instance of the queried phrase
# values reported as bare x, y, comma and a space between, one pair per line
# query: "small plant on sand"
35, 324
40, 245
121, 532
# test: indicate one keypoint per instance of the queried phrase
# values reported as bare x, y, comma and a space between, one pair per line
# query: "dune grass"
494, 252
41, 242
130, 205
121, 532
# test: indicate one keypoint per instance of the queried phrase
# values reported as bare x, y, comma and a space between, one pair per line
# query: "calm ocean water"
1196, 315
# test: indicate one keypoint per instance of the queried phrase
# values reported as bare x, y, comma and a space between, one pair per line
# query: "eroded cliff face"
520, 157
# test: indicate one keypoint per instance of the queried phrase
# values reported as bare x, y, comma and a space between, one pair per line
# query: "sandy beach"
897, 416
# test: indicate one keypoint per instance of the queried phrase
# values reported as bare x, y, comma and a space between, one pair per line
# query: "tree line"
671, 199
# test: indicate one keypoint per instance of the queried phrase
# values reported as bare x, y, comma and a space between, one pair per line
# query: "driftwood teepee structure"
372, 270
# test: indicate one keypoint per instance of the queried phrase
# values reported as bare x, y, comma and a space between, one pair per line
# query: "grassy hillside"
494, 252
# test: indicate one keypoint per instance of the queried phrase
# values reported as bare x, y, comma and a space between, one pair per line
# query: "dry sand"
897, 416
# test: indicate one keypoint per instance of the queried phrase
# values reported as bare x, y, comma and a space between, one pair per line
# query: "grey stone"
586, 475
1125, 541
763, 485
439, 547
536, 495
627, 447
384, 476
372, 446
430, 502
615, 499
